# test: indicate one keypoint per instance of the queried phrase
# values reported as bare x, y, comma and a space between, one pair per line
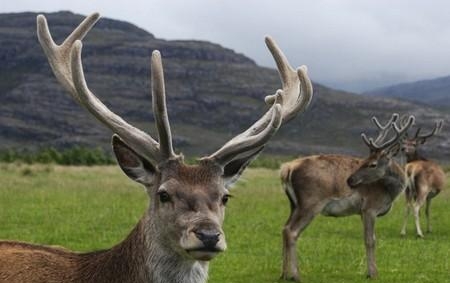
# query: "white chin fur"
203, 255
195, 248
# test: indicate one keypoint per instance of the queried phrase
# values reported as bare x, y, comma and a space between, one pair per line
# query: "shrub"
76, 155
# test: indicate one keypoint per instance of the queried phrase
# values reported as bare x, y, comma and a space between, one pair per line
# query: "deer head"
411, 145
381, 150
187, 202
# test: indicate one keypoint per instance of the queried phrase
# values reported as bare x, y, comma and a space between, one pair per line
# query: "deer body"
426, 179
338, 186
136, 259
318, 184
181, 230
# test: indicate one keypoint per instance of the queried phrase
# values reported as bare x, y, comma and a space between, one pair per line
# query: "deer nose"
209, 238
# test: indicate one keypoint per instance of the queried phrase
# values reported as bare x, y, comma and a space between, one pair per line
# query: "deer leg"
405, 219
369, 240
427, 212
297, 222
416, 210
421, 198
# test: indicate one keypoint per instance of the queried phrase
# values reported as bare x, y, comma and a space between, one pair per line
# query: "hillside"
213, 93
435, 92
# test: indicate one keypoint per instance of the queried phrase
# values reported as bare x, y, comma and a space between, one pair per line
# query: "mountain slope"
435, 92
213, 93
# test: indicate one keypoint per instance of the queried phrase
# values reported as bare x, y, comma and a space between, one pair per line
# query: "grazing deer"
426, 179
182, 228
337, 185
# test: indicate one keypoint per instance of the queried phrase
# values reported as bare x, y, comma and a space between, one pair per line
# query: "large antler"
382, 130
437, 128
386, 145
65, 61
286, 103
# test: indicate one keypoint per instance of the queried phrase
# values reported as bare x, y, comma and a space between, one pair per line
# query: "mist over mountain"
213, 94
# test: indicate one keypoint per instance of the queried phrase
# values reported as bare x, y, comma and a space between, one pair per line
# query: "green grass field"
86, 208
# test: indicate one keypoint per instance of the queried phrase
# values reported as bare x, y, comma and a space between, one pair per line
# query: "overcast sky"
351, 45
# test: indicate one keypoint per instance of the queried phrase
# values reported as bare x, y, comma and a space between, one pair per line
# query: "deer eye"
163, 197
225, 199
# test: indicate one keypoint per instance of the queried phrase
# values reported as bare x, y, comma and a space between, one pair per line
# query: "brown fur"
196, 203
319, 184
28, 263
425, 173
426, 179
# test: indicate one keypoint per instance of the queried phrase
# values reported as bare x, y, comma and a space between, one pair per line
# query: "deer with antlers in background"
181, 231
426, 179
338, 185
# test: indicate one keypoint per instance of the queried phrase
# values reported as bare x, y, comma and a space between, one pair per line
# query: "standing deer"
426, 179
182, 228
337, 185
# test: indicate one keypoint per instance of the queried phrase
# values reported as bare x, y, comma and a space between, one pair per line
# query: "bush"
76, 155
79, 155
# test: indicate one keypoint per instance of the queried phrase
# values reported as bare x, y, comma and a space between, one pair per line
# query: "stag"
426, 179
338, 185
181, 231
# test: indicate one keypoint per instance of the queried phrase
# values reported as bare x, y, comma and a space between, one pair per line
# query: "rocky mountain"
213, 94
435, 92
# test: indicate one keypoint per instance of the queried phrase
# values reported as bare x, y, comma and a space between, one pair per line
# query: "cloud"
351, 45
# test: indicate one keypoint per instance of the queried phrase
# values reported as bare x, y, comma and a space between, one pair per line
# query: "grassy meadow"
86, 208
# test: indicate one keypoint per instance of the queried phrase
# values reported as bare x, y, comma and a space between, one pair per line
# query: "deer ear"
234, 169
133, 165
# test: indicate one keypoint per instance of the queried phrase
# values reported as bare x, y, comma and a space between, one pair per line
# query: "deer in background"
426, 179
338, 185
181, 231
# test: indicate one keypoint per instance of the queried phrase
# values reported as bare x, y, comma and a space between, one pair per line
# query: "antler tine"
417, 132
437, 128
297, 89
159, 106
59, 55
366, 140
393, 119
440, 125
65, 61
399, 133
384, 130
293, 98
404, 119
141, 142
253, 143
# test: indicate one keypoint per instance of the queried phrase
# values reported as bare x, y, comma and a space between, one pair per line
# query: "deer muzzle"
204, 242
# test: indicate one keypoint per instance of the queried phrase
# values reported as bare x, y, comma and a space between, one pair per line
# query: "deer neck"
414, 156
143, 257
394, 181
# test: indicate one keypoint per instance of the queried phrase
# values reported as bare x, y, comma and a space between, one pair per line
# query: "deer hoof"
372, 275
295, 278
